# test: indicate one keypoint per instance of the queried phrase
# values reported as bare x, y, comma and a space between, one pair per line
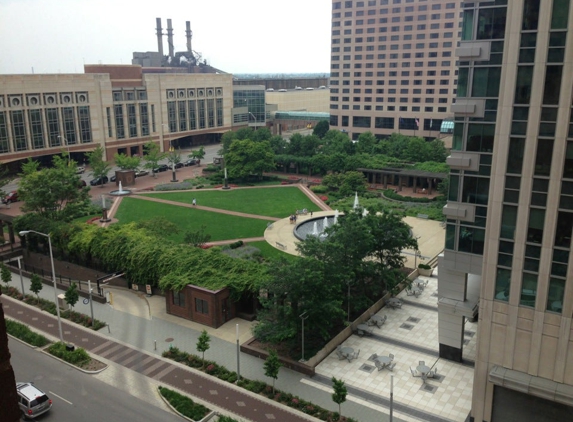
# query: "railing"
60, 279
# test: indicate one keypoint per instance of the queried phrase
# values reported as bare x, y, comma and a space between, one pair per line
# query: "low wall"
303, 368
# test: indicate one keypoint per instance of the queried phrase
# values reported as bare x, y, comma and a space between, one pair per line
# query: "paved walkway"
207, 388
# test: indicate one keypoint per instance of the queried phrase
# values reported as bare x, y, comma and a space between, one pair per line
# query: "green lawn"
272, 202
219, 226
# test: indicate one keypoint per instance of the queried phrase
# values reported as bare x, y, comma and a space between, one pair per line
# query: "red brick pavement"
223, 395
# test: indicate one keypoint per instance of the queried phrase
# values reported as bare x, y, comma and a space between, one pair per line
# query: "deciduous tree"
203, 344
152, 156
50, 191
246, 158
72, 296
5, 273
339, 394
272, 366
125, 162
36, 285
100, 167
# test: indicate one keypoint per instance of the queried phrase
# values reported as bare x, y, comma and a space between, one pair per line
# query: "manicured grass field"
271, 202
219, 226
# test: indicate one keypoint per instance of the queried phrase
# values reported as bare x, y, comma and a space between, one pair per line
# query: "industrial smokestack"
189, 34
170, 38
159, 37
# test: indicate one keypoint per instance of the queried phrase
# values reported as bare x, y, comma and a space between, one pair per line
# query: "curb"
205, 419
74, 366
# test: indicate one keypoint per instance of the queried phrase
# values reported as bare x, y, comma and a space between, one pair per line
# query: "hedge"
78, 357
23, 332
184, 404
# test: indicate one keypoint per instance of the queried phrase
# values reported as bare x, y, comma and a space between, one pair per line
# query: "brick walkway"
223, 395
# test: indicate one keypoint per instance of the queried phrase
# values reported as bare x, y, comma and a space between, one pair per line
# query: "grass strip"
184, 404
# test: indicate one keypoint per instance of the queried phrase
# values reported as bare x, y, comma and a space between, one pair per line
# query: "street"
77, 396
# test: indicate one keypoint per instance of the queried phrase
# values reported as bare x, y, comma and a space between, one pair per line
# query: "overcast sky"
237, 36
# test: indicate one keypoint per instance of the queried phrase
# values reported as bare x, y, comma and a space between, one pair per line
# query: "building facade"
510, 210
392, 65
117, 107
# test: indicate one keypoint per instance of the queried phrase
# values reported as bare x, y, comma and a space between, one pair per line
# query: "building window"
4, 143
132, 120
182, 115
85, 124
201, 306
119, 124
179, 298
144, 118
36, 129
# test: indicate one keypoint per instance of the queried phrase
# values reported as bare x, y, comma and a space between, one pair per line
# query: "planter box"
425, 272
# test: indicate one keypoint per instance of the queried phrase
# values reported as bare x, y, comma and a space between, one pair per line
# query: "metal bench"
424, 216
281, 246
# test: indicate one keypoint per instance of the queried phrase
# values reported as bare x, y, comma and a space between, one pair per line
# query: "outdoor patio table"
365, 329
423, 369
347, 351
377, 320
384, 360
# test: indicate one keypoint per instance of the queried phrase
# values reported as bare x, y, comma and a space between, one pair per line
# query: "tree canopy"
125, 162
51, 191
246, 158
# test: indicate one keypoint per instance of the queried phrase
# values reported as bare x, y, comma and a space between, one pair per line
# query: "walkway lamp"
24, 233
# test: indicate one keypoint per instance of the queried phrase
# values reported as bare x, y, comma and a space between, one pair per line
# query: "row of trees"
254, 152
150, 160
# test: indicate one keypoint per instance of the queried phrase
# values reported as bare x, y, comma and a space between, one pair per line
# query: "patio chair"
391, 356
410, 292
391, 366
355, 356
378, 365
422, 363
414, 372
339, 353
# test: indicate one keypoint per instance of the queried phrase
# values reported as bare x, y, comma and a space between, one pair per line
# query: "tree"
100, 168
246, 158
173, 158
125, 162
50, 191
152, 156
203, 344
6, 274
272, 366
72, 296
198, 154
197, 238
339, 395
366, 142
36, 285
295, 287
321, 128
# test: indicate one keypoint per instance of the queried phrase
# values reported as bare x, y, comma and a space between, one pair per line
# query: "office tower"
392, 65
510, 210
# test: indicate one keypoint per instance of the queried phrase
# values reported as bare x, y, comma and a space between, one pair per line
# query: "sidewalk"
140, 330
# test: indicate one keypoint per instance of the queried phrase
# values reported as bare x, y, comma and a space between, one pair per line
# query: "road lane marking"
61, 398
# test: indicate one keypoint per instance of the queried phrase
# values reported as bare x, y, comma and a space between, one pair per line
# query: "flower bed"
255, 386
23, 332
184, 404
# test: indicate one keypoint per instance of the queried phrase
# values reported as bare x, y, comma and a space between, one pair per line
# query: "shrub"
389, 193
424, 266
184, 405
24, 333
319, 189
78, 357
186, 185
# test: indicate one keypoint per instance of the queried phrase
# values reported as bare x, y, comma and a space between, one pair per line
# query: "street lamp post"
238, 356
303, 317
24, 233
255, 119
391, 397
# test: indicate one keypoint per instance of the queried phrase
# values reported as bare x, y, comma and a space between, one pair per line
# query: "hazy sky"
237, 36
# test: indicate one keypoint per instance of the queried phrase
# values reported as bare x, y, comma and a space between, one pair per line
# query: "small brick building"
208, 307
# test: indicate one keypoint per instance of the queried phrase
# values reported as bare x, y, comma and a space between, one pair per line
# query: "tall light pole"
303, 317
24, 233
255, 119
238, 356
391, 396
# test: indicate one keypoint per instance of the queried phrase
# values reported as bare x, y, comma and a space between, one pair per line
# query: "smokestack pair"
188, 33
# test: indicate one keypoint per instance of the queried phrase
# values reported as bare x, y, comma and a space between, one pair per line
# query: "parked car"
179, 165
32, 401
140, 173
11, 197
113, 178
81, 184
80, 170
190, 162
161, 168
99, 181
